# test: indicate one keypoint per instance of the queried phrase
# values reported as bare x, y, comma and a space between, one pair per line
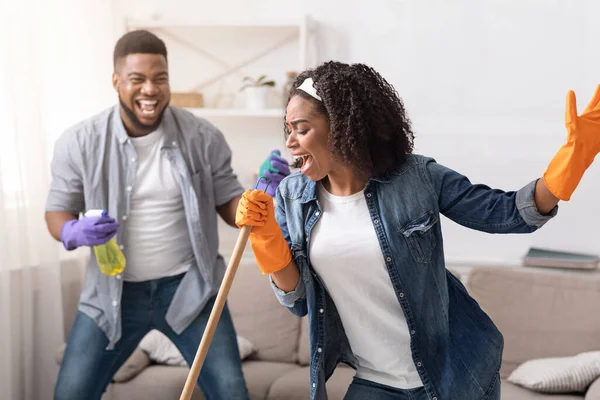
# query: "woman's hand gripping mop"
256, 217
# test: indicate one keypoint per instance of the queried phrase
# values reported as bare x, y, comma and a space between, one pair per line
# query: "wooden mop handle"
215, 314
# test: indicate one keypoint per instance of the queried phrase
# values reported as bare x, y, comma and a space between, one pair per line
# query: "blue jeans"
87, 367
361, 389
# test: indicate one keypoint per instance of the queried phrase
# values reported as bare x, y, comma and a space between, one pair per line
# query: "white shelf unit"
237, 112
300, 30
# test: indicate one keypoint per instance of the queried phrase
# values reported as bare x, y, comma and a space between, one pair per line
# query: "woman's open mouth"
306, 162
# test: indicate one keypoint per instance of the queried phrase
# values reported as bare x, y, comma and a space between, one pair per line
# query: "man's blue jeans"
87, 367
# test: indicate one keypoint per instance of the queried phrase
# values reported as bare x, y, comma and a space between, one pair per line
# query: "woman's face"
308, 138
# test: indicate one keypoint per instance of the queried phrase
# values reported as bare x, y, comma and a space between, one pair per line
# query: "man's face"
142, 83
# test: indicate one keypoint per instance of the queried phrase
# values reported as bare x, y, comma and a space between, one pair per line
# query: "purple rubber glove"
88, 231
274, 168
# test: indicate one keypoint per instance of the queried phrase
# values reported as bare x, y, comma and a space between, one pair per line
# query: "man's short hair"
138, 42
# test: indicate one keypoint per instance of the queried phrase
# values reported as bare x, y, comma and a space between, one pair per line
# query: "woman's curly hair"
369, 128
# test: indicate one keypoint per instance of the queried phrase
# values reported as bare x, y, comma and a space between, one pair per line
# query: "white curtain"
55, 65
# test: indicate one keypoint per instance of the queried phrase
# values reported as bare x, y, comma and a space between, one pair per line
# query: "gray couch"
541, 314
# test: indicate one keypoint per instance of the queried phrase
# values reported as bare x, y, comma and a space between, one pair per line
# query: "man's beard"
137, 124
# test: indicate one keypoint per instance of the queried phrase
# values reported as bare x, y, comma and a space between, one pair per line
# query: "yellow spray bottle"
109, 256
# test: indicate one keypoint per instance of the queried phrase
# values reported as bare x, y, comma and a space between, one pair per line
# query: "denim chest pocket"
420, 236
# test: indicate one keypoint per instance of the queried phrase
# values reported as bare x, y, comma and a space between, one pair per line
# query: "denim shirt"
456, 348
94, 167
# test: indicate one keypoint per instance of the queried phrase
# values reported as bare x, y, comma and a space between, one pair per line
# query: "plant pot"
256, 97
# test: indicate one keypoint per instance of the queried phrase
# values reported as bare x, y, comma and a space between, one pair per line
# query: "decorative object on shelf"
287, 86
256, 91
188, 99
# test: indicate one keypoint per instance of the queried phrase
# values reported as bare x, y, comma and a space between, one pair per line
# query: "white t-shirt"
157, 240
345, 253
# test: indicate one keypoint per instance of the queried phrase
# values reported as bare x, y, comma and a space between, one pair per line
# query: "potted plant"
256, 91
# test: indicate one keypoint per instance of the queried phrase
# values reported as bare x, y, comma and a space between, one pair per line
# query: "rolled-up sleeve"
66, 186
294, 300
225, 182
525, 199
289, 299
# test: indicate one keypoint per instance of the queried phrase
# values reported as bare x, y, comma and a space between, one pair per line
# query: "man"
162, 175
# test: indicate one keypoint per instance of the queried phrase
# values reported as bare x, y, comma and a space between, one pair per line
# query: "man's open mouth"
147, 107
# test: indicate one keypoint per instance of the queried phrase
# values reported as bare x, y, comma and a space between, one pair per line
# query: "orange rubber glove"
583, 143
266, 239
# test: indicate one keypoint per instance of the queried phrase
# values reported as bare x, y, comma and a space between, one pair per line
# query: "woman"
356, 241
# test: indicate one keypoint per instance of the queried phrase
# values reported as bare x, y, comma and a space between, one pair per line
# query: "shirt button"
174, 143
314, 384
118, 276
368, 194
419, 364
320, 350
115, 303
435, 398
128, 188
321, 311
388, 259
124, 217
412, 332
121, 246
401, 294
376, 221
132, 159
317, 213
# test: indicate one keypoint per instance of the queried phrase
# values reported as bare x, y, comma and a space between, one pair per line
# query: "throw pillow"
161, 350
558, 374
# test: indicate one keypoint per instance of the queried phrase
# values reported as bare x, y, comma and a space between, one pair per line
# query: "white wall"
484, 83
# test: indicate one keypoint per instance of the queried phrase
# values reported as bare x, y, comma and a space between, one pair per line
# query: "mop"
217, 309
215, 314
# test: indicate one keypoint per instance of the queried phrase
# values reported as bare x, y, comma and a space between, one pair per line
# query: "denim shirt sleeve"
288, 299
480, 207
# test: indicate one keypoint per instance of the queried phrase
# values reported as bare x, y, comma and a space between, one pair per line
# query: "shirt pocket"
196, 180
420, 236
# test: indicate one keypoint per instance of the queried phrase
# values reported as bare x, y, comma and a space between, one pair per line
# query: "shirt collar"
168, 125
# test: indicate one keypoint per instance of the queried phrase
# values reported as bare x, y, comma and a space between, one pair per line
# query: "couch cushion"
295, 385
540, 313
593, 392
260, 376
160, 382
259, 317
514, 392
155, 382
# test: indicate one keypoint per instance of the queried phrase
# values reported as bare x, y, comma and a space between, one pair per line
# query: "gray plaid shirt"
94, 167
